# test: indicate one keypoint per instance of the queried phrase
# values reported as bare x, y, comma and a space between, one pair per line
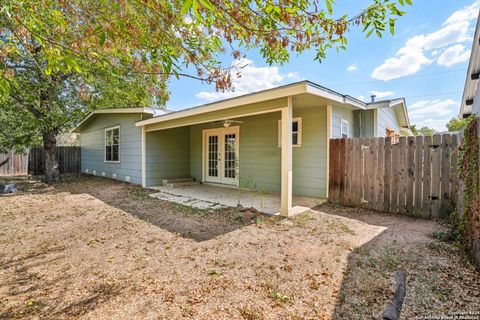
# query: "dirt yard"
91, 248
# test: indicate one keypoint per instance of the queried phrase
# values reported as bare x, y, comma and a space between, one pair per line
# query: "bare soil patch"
92, 248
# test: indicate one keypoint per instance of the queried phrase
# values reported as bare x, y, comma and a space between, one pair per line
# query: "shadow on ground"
196, 224
440, 279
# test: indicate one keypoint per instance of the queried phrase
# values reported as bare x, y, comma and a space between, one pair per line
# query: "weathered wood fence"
68, 160
416, 176
13, 164
33, 162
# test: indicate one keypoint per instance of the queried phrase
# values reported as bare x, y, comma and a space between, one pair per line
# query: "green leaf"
392, 26
207, 4
48, 70
187, 4
329, 6
102, 38
369, 33
409, 2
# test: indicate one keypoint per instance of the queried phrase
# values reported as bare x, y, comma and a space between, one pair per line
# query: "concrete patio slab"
215, 197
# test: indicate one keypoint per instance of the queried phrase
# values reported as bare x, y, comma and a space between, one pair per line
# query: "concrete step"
181, 184
176, 182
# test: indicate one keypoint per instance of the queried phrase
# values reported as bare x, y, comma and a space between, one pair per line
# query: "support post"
144, 159
287, 149
329, 136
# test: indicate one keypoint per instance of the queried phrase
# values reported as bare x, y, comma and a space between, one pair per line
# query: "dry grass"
92, 248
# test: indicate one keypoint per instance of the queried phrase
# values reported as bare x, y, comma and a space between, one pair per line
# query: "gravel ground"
92, 248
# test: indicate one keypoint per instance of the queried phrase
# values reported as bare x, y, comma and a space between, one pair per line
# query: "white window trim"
342, 122
299, 136
105, 144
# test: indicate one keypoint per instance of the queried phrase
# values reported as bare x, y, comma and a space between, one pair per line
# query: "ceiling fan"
227, 122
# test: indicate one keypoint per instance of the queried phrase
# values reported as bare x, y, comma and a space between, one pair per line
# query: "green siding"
339, 113
92, 139
260, 156
167, 154
364, 125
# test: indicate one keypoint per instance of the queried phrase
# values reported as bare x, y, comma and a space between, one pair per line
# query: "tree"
457, 124
60, 59
423, 131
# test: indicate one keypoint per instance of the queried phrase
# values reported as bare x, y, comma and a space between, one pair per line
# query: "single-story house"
471, 93
274, 140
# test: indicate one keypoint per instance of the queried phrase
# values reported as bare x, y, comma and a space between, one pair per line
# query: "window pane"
115, 155
295, 138
108, 153
108, 137
116, 136
295, 126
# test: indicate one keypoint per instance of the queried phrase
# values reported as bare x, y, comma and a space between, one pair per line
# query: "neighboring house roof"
400, 107
473, 73
296, 88
151, 111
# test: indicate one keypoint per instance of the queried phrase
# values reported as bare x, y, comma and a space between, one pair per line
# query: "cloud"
352, 67
433, 113
362, 98
413, 55
251, 79
382, 94
467, 13
453, 55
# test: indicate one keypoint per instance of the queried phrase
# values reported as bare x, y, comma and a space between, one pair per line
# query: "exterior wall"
260, 156
92, 142
476, 101
386, 119
167, 154
339, 113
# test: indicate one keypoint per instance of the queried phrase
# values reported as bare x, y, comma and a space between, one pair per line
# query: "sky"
425, 62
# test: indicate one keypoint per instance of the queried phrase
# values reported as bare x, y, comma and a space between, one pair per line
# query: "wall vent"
103, 173
86, 170
114, 175
127, 178
94, 172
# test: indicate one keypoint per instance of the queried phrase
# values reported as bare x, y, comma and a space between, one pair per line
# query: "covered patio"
211, 197
244, 143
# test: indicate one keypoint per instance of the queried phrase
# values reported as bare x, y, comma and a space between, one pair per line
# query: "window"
296, 132
344, 129
112, 144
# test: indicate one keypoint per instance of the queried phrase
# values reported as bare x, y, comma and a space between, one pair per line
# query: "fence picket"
410, 174
407, 178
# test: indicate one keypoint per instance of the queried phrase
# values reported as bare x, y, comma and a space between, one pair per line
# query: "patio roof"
294, 89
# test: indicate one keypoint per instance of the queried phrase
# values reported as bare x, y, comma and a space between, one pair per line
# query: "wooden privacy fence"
417, 176
68, 160
33, 162
13, 164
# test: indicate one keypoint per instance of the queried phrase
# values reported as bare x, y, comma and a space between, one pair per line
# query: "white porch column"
144, 159
329, 136
286, 189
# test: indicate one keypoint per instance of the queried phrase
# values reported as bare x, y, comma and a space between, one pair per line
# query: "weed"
251, 313
280, 297
214, 273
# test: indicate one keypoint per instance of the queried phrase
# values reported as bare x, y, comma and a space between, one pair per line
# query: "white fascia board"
112, 110
270, 94
334, 96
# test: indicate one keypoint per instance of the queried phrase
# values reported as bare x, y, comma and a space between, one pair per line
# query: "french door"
221, 155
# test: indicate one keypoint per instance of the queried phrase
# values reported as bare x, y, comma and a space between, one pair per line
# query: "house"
237, 142
471, 93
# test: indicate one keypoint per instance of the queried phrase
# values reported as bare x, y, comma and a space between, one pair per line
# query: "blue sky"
425, 62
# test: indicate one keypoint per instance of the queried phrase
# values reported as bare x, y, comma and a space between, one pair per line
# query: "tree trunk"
52, 172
